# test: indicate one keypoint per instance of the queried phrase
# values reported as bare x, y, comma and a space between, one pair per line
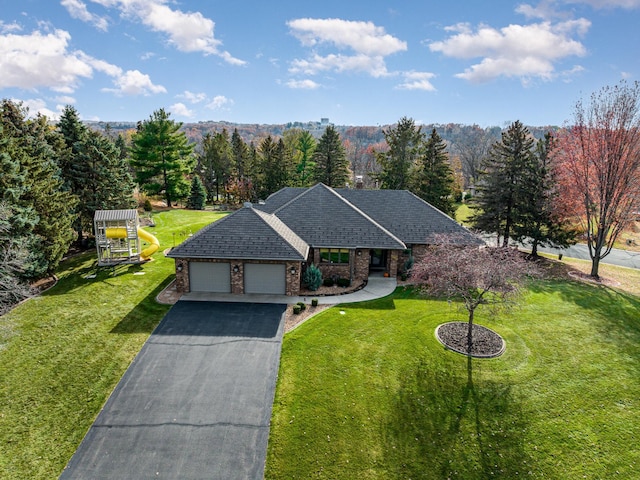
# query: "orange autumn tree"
600, 164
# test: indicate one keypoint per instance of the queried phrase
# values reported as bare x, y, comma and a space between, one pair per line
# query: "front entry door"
378, 261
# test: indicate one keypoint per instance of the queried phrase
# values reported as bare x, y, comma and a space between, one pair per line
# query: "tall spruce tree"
404, 141
502, 180
332, 165
49, 206
13, 261
274, 166
161, 157
198, 195
305, 146
538, 221
432, 178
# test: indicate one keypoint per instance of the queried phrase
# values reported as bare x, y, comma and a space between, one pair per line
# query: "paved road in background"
623, 258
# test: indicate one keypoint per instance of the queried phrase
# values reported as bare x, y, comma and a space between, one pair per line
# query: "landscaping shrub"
301, 305
328, 282
314, 302
296, 309
344, 282
312, 277
147, 205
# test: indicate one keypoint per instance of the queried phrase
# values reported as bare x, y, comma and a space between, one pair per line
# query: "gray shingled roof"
111, 215
245, 234
279, 198
323, 218
404, 214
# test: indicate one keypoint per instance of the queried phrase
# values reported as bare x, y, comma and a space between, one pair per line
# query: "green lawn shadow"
146, 315
456, 425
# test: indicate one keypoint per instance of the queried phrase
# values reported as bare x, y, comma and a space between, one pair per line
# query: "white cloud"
188, 32
362, 37
374, 66
9, 27
524, 51
39, 106
181, 109
370, 45
133, 82
78, 9
220, 102
41, 60
65, 99
193, 97
306, 84
417, 81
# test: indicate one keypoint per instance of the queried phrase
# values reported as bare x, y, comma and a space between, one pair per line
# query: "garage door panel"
210, 277
264, 278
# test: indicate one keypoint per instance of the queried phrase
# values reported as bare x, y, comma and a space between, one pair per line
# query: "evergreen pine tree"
537, 220
404, 141
45, 192
13, 260
42, 211
198, 195
332, 165
502, 180
161, 157
432, 178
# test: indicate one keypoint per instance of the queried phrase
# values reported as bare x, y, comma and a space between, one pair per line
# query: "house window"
334, 255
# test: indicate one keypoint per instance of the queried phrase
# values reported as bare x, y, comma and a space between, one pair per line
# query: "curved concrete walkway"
377, 287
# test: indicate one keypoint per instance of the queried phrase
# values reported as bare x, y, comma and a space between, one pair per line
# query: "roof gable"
244, 234
325, 219
404, 214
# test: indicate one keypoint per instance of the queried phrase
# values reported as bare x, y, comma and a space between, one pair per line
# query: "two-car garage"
215, 277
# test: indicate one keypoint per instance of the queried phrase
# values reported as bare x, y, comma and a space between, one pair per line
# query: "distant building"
324, 121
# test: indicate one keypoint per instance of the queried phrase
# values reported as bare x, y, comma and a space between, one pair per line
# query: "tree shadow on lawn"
76, 275
446, 425
618, 312
146, 315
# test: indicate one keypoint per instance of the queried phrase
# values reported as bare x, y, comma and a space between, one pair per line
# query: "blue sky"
355, 62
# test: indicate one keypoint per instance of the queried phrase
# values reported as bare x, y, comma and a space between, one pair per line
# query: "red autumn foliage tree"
475, 275
600, 158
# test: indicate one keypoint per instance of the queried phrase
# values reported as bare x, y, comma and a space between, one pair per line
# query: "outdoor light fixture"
359, 253
236, 269
293, 270
179, 268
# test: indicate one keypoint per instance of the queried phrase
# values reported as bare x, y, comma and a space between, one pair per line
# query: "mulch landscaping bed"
485, 342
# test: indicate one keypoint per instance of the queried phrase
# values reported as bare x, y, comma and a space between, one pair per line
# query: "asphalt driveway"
195, 403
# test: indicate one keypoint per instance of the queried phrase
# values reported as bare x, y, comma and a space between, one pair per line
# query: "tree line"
583, 179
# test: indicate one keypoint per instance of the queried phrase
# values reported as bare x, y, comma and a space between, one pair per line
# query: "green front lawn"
370, 393
61, 354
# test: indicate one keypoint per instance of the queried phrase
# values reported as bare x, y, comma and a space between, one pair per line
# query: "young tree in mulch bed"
475, 275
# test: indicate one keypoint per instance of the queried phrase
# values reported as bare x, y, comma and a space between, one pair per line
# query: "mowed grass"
370, 393
61, 354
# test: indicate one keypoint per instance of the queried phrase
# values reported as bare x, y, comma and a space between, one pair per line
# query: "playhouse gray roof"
405, 215
323, 218
114, 215
245, 234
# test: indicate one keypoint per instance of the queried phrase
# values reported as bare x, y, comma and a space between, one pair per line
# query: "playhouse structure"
118, 235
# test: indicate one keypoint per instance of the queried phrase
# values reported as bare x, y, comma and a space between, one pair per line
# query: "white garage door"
264, 278
209, 277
